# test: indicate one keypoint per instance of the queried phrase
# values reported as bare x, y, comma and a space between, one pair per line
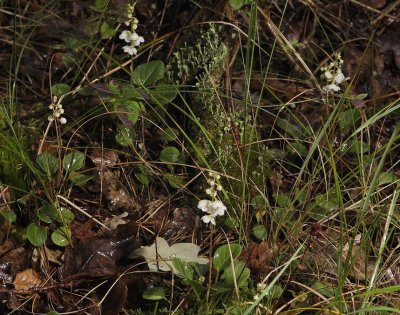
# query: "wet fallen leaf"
159, 255
184, 224
26, 280
115, 221
99, 256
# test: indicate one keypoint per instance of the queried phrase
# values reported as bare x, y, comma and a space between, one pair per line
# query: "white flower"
331, 87
339, 77
328, 75
50, 118
218, 208
212, 208
62, 120
126, 36
130, 50
208, 218
139, 40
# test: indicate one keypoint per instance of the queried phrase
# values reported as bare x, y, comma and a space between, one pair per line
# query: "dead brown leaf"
27, 279
98, 256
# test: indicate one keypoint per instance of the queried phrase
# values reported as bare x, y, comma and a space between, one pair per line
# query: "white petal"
62, 120
130, 50
203, 205
339, 77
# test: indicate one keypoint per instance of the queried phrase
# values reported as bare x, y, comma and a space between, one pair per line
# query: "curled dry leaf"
184, 224
115, 221
159, 255
27, 279
99, 256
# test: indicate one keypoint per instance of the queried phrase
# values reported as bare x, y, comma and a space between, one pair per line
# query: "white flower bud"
62, 120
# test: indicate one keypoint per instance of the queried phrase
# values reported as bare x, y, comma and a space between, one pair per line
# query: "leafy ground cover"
199, 157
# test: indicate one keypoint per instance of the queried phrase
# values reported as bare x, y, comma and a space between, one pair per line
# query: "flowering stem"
211, 264
44, 138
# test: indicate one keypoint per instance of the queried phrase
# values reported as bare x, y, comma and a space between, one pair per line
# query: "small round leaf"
36, 234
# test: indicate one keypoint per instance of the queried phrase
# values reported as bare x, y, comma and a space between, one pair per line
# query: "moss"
223, 138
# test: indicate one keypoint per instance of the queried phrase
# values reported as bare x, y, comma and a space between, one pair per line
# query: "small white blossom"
331, 87
130, 50
126, 36
212, 208
62, 120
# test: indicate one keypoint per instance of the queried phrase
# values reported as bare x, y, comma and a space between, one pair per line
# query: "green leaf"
10, 216
36, 234
126, 136
53, 313
79, 179
130, 92
260, 231
163, 94
239, 272
48, 213
48, 163
143, 174
183, 269
238, 4
298, 148
60, 89
100, 5
173, 180
169, 154
386, 178
169, 134
73, 161
258, 202
106, 31
222, 256
148, 73
61, 236
154, 294
348, 118
66, 216
132, 110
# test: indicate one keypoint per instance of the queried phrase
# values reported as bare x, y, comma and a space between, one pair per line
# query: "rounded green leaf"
126, 136
143, 174
48, 163
73, 161
169, 134
149, 73
61, 236
106, 31
65, 216
238, 4
260, 231
222, 256
173, 180
60, 89
10, 216
169, 154
163, 94
36, 234
239, 273
47, 213
53, 313
154, 294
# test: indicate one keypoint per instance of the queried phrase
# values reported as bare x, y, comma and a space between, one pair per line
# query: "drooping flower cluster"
58, 110
214, 185
213, 207
131, 36
333, 74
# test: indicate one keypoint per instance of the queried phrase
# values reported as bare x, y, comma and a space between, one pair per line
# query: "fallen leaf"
26, 280
159, 255
99, 256
112, 223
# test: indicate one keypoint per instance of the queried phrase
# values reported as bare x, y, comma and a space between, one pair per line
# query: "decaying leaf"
27, 279
257, 257
116, 220
159, 255
184, 224
99, 256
